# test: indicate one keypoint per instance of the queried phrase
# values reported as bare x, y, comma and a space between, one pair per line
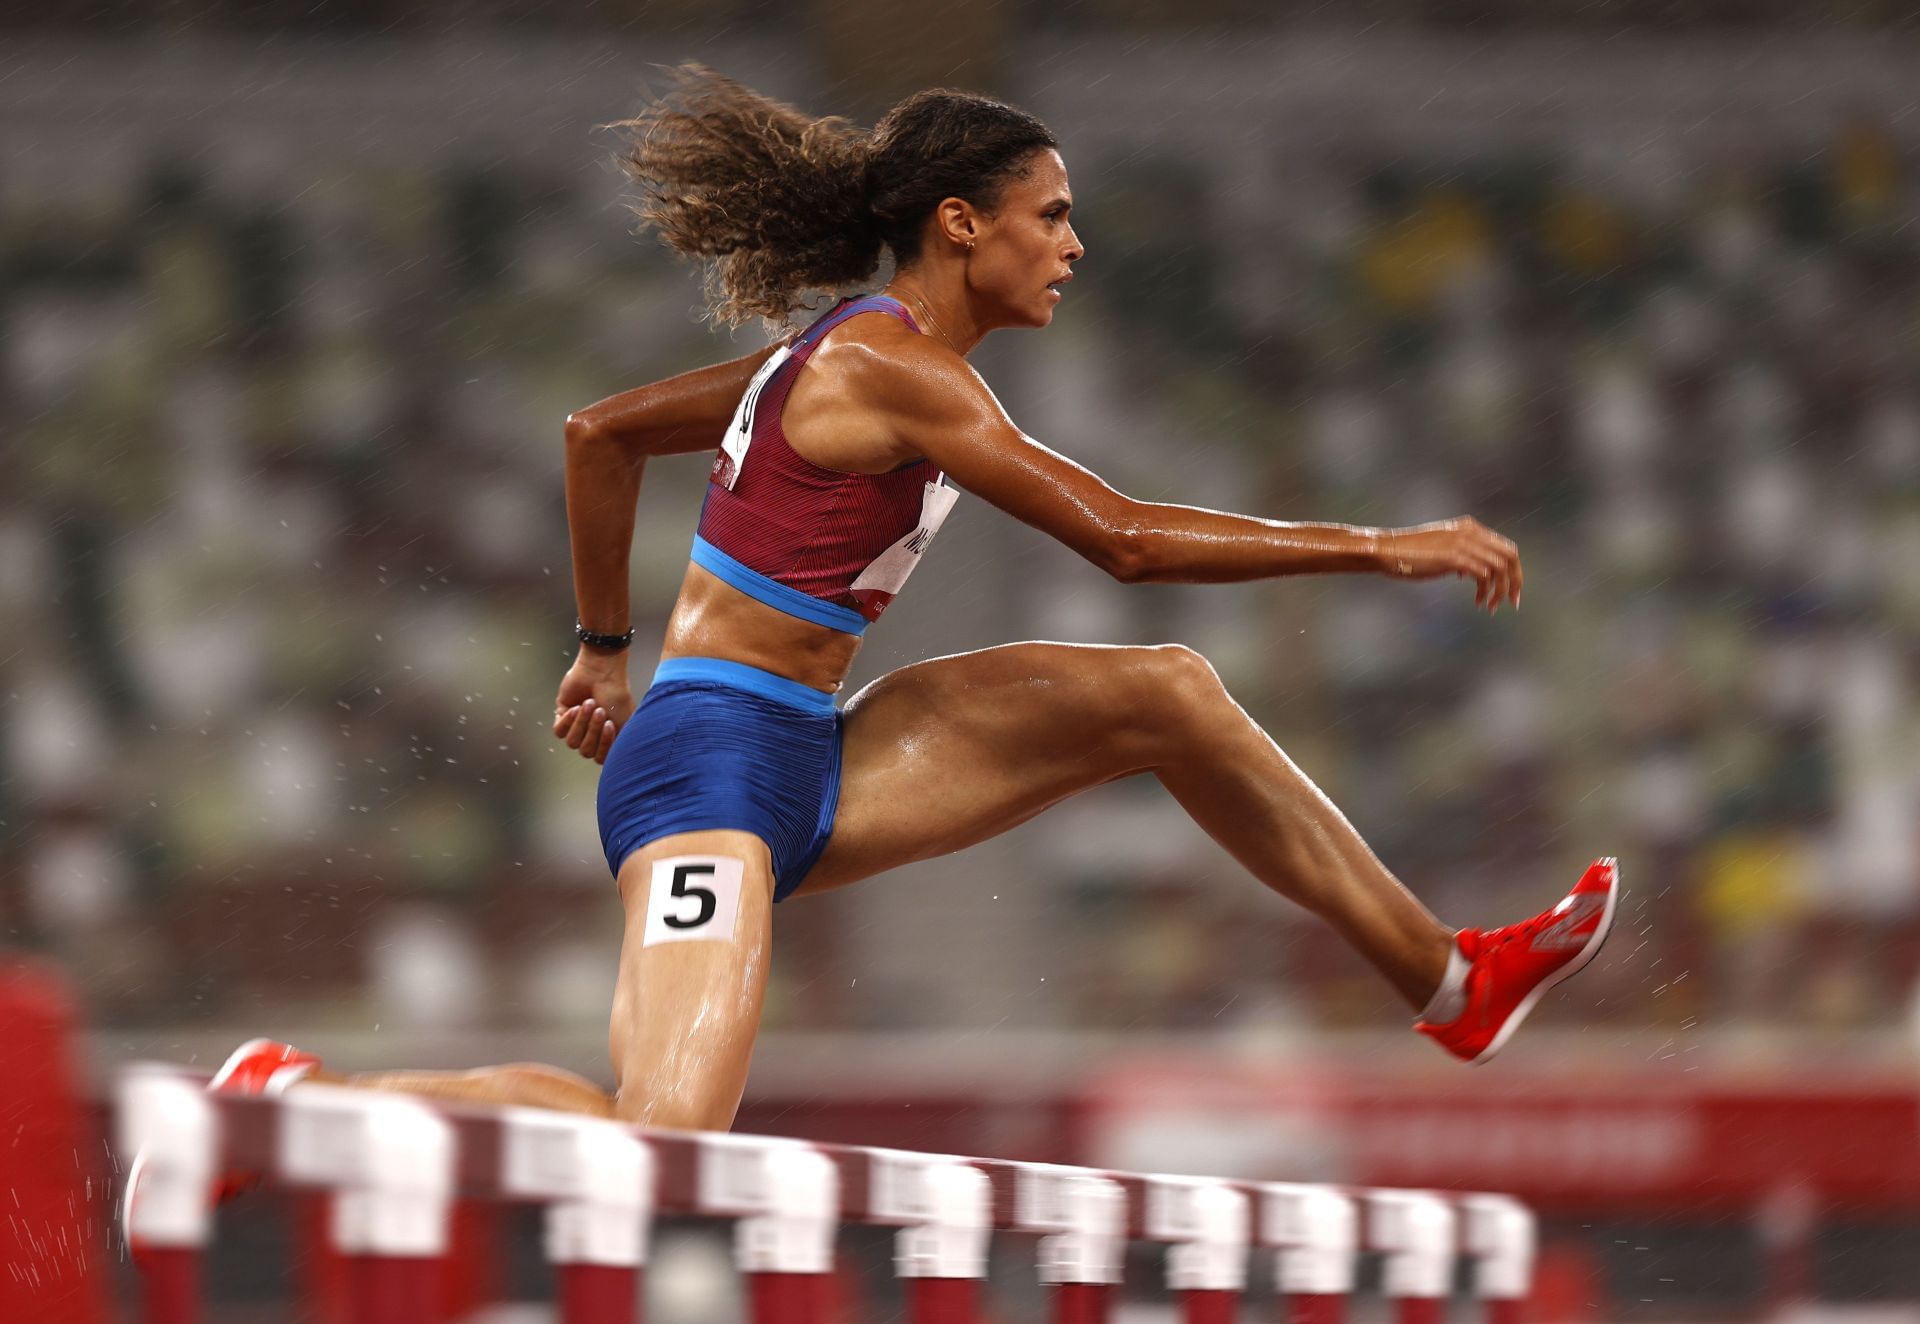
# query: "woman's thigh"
946, 753
693, 975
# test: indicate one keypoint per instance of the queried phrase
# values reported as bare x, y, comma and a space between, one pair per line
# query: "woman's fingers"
583, 733
587, 728
1478, 566
1509, 568
1497, 562
599, 736
1466, 548
1496, 572
581, 724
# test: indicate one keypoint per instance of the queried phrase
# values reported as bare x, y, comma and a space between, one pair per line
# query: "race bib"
733, 447
693, 898
877, 584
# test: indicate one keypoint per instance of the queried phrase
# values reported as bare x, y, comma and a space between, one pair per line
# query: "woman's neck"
939, 299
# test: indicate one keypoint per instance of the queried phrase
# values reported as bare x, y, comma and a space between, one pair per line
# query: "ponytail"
777, 203
772, 200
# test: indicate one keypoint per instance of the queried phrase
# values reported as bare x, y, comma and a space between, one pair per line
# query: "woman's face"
1026, 249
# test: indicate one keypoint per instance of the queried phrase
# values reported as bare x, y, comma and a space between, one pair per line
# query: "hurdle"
393, 1165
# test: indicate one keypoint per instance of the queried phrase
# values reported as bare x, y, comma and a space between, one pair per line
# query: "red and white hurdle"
393, 1167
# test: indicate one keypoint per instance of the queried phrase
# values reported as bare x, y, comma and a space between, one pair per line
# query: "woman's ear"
957, 222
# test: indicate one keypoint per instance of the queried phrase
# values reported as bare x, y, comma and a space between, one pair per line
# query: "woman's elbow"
583, 429
588, 434
1126, 556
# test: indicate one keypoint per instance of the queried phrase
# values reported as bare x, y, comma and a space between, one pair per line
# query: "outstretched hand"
1463, 547
594, 702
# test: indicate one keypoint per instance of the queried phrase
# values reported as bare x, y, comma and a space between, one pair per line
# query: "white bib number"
693, 898
733, 448
890, 569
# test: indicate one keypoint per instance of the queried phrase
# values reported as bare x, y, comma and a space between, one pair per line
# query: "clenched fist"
594, 702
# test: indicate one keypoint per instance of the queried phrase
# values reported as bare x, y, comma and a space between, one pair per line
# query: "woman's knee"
1163, 696
1183, 680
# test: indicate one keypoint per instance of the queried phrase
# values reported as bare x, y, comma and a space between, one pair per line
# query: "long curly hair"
778, 203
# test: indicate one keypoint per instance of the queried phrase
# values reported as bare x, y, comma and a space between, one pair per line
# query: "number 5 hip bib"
693, 898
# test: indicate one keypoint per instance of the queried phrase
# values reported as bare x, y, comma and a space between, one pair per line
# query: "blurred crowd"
1697, 407
284, 581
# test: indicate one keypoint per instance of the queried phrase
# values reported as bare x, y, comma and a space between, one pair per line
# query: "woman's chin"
1029, 316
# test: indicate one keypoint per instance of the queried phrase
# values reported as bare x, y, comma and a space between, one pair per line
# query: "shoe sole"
1567, 971
134, 1172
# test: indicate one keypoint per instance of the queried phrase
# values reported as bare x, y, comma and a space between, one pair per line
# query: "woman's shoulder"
883, 359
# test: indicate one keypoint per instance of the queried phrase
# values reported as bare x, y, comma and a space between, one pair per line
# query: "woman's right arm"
937, 405
607, 448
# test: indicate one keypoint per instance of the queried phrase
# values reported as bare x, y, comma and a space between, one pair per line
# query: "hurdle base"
1209, 1307
787, 1298
170, 1283
1081, 1303
1420, 1310
943, 1300
397, 1289
1315, 1308
598, 1294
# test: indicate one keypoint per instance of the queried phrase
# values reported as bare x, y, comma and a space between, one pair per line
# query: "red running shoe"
259, 1066
262, 1066
1511, 969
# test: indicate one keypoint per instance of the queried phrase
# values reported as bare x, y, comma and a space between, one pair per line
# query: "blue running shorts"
719, 744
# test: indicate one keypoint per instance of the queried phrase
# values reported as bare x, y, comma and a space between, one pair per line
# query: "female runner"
736, 782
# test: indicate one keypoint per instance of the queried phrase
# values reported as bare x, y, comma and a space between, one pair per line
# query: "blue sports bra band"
781, 597
767, 684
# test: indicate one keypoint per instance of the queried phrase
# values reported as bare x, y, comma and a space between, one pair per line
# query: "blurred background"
294, 299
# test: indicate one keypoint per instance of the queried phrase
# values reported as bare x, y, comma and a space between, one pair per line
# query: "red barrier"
52, 1239
1622, 1142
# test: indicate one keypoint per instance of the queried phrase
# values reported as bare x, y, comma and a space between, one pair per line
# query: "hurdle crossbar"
394, 1164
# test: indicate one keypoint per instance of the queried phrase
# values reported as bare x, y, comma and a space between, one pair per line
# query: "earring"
969, 246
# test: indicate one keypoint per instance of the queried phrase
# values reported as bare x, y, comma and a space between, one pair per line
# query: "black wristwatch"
613, 643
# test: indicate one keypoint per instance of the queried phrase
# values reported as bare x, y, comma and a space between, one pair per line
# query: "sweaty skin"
1002, 733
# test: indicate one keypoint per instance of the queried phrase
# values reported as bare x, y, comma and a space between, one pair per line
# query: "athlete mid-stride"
738, 780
